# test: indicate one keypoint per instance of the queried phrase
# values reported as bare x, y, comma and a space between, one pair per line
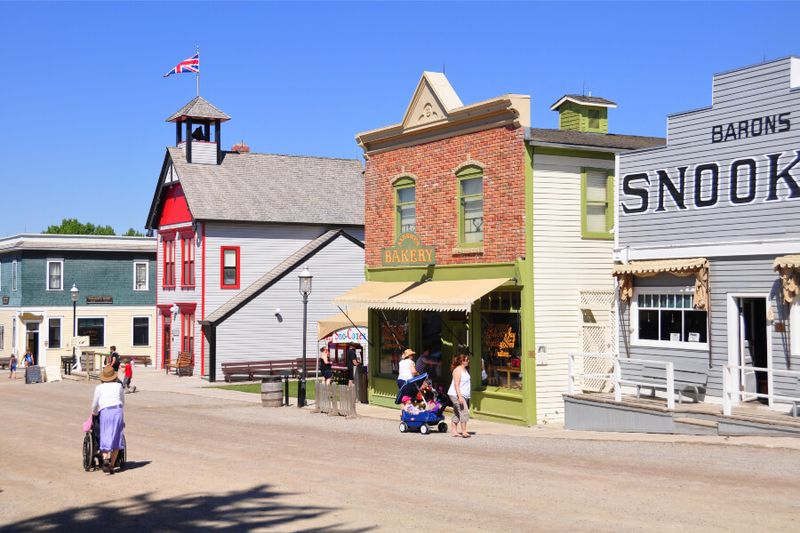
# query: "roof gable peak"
433, 101
199, 107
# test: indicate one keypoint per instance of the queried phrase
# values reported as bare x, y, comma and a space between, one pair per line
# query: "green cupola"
583, 113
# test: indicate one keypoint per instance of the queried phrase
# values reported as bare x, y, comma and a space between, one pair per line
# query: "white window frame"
60, 332
794, 322
146, 275
149, 331
105, 327
677, 345
2, 337
14, 276
61, 274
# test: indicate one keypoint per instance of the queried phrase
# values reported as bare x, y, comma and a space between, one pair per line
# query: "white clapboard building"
235, 229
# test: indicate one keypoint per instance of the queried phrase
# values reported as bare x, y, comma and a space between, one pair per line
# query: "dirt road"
204, 462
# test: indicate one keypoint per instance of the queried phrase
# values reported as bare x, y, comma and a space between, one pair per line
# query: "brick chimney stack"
241, 148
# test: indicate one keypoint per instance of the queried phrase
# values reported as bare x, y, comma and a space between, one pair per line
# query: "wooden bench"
183, 365
251, 369
140, 359
5, 361
689, 379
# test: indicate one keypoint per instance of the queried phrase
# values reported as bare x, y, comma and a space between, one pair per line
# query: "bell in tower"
194, 132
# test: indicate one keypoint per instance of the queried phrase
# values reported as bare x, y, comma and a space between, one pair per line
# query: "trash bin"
361, 384
271, 392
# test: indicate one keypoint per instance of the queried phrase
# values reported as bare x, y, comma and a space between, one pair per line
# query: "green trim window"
470, 206
501, 339
393, 340
597, 203
405, 198
594, 119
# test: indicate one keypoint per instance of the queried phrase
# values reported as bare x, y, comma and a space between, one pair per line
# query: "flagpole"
198, 70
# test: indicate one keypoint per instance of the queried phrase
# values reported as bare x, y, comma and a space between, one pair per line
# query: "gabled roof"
276, 274
199, 107
583, 100
252, 187
579, 139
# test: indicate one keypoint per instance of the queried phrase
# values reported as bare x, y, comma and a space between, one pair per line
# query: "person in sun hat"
406, 369
108, 403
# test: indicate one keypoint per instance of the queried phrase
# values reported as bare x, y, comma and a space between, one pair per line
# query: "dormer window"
594, 119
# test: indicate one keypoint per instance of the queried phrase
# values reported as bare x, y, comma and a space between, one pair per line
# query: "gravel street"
207, 462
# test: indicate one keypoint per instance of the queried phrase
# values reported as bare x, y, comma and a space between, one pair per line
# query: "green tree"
133, 233
71, 226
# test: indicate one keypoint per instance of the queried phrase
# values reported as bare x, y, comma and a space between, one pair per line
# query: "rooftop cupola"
197, 139
583, 113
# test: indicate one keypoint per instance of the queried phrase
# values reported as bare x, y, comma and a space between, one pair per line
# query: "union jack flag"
187, 65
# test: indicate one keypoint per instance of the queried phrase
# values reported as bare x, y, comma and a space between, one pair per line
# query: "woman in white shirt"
108, 401
406, 369
460, 393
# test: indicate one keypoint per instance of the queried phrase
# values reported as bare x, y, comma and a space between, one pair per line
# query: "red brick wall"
502, 152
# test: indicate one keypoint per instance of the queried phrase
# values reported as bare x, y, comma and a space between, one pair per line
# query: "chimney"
241, 148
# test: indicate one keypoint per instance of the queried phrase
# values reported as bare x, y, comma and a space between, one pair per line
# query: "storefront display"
393, 340
500, 336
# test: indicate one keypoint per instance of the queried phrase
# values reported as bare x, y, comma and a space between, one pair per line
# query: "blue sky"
84, 101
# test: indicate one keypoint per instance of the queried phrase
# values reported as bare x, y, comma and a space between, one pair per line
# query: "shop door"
455, 340
753, 352
166, 334
32, 340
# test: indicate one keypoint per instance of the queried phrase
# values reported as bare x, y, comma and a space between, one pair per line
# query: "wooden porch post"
211, 335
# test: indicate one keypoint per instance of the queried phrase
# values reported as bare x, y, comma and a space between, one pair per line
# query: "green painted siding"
569, 118
575, 117
6, 266
95, 274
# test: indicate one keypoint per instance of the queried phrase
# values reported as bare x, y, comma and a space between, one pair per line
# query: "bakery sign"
409, 251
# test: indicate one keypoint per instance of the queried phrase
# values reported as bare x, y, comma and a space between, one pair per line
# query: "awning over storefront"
371, 293
697, 267
328, 325
31, 317
428, 296
788, 266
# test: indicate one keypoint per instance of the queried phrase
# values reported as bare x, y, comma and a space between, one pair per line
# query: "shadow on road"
133, 465
245, 510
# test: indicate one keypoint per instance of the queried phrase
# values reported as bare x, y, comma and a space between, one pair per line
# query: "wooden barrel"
271, 392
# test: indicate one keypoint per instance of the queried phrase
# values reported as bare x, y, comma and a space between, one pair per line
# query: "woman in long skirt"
108, 402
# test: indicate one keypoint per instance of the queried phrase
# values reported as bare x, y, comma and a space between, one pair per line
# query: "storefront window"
670, 318
501, 349
393, 340
94, 328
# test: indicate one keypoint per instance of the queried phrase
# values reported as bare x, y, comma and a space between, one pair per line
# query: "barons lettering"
709, 183
755, 127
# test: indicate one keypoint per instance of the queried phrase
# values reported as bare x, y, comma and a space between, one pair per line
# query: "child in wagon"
408, 407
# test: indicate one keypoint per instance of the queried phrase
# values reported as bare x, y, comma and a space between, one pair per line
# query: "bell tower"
193, 131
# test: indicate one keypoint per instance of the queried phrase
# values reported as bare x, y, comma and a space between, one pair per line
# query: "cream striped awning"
425, 296
786, 261
663, 265
331, 324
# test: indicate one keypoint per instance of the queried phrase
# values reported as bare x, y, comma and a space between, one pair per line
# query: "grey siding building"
705, 235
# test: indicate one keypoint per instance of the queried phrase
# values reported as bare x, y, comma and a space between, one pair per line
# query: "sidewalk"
150, 379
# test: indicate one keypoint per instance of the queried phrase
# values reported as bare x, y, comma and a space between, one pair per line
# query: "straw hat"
108, 374
408, 353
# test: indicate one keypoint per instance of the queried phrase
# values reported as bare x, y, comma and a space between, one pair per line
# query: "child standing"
12, 365
126, 382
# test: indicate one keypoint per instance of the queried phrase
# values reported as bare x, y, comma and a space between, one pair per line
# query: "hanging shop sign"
348, 335
409, 251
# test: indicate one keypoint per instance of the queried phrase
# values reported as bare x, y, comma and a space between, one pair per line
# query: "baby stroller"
425, 420
92, 457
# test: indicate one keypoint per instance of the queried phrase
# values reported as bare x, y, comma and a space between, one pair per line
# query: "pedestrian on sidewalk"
407, 369
126, 381
12, 366
108, 402
113, 359
460, 392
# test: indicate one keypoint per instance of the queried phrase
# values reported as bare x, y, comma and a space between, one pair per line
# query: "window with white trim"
2, 337
54, 333
141, 331
1, 275
187, 260
94, 328
55, 275
141, 275
668, 316
14, 276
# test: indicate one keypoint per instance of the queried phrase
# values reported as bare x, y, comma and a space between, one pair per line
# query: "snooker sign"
408, 252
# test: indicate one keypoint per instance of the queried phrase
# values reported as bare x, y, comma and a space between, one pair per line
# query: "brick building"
469, 214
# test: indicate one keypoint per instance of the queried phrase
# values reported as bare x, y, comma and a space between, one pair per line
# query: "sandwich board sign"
78, 343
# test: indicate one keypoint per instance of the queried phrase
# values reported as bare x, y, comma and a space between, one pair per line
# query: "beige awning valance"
697, 267
788, 266
328, 325
31, 317
371, 293
425, 296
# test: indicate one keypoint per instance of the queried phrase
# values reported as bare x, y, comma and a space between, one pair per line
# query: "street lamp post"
305, 289
73, 292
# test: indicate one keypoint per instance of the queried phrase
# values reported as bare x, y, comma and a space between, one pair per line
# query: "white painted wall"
564, 264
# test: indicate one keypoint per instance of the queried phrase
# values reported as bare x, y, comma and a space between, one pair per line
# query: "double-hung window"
597, 201
54, 333
141, 275
470, 206
230, 267
406, 202
169, 262
187, 332
13, 276
187, 260
668, 316
141, 331
55, 275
